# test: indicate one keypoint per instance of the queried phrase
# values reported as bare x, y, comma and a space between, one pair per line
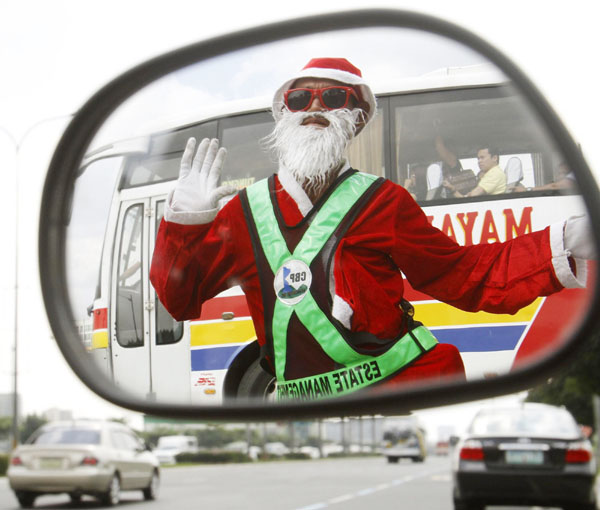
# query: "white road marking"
370, 490
340, 499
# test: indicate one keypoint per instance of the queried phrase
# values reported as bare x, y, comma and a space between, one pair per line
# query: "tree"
30, 424
5, 426
575, 385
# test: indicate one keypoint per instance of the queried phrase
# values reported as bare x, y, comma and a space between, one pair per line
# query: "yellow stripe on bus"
430, 314
441, 314
228, 332
100, 339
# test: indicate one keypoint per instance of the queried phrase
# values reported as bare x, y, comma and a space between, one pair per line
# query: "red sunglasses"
332, 98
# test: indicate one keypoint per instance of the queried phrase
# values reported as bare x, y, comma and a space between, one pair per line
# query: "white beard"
310, 153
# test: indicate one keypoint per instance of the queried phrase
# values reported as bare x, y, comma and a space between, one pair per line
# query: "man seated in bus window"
491, 180
446, 168
321, 250
446, 149
564, 181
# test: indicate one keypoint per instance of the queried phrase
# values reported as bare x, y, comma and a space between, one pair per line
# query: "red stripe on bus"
100, 318
559, 315
214, 308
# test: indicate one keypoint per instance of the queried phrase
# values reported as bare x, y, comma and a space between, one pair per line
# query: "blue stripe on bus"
481, 339
215, 358
471, 339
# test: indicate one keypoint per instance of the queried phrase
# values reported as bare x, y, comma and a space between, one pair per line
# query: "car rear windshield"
67, 436
531, 422
398, 434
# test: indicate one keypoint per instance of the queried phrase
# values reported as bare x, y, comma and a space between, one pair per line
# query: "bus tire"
256, 383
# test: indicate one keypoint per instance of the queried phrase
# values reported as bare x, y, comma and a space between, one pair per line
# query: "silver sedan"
96, 458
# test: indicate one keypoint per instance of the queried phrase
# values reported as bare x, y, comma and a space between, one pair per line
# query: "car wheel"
418, 459
75, 497
112, 495
25, 498
460, 504
151, 492
392, 460
256, 383
582, 506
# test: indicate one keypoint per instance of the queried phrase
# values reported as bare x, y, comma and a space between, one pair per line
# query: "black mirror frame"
69, 153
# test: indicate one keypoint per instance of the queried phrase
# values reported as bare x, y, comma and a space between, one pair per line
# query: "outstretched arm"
498, 277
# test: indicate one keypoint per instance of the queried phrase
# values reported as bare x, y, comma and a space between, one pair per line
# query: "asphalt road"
331, 484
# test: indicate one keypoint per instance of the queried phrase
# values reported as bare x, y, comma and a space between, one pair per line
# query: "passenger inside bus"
448, 167
491, 179
564, 181
322, 309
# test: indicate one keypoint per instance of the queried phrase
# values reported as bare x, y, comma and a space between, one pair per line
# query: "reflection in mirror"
341, 313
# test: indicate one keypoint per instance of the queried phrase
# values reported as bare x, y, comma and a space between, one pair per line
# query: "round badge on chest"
292, 282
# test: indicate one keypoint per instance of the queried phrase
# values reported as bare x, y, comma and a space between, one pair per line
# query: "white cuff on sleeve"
342, 311
188, 217
560, 260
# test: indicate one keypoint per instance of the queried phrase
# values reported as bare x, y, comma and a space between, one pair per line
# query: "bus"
215, 356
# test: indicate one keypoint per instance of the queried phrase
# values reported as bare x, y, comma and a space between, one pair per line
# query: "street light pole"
17, 144
15, 400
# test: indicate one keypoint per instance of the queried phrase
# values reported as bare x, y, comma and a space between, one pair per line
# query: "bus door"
149, 354
129, 301
170, 345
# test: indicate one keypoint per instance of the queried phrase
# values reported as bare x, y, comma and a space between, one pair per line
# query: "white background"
54, 55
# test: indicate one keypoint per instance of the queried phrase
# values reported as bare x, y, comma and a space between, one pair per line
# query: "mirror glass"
442, 109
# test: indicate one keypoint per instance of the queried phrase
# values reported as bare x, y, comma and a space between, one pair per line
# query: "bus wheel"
256, 383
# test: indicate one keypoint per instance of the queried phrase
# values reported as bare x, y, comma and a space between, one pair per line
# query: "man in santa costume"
320, 250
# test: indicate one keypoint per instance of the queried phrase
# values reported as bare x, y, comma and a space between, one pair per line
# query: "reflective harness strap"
274, 246
307, 310
360, 374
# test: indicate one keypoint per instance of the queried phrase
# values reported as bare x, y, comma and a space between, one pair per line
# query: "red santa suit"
198, 255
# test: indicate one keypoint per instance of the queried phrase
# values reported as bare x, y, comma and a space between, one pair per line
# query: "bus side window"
168, 330
247, 159
366, 151
130, 306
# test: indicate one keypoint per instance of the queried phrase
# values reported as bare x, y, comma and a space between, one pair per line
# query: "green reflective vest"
287, 281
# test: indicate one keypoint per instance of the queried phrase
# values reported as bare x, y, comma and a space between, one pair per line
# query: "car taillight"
16, 461
578, 453
471, 450
89, 461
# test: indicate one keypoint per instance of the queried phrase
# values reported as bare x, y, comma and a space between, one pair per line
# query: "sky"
54, 55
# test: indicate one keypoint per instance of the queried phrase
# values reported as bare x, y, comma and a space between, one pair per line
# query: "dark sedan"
533, 454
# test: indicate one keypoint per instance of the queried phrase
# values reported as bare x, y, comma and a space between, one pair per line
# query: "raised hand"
197, 187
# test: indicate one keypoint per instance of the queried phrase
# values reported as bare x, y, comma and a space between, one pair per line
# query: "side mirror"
110, 178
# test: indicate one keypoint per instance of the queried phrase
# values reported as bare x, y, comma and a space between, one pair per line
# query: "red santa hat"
338, 69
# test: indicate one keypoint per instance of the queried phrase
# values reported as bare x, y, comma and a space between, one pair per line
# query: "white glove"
578, 238
197, 188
